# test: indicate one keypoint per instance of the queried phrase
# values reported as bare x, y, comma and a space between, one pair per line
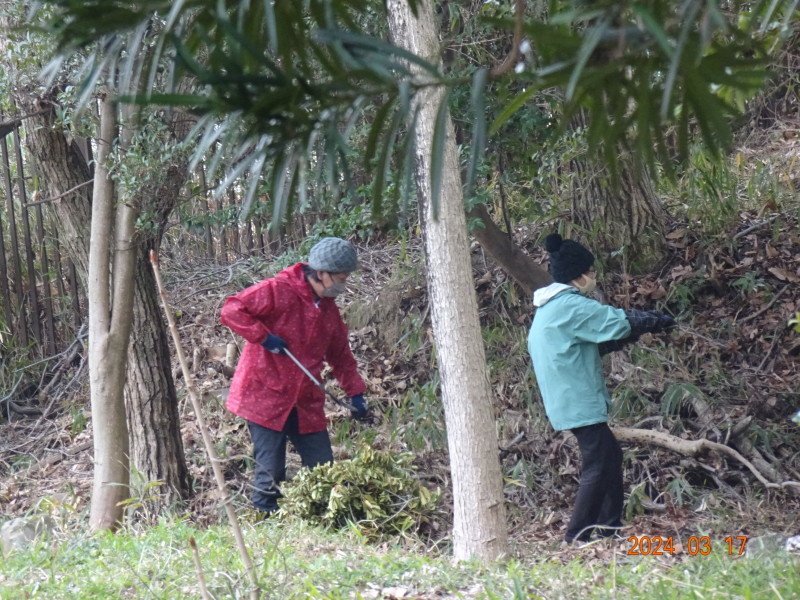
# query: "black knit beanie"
568, 259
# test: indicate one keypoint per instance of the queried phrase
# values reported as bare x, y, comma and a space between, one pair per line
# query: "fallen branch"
692, 448
207, 441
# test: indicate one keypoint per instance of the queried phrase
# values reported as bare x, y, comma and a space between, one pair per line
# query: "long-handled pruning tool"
315, 380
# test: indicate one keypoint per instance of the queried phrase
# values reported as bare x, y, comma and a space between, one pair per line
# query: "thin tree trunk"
5, 291
237, 251
77, 317
47, 294
479, 528
30, 257
206, 210
223, 231
19, 326
156, 455
110, 320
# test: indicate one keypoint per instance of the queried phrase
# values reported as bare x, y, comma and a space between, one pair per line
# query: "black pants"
269, 452
599, 498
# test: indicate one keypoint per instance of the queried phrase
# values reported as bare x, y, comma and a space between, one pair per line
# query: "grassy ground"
296, 561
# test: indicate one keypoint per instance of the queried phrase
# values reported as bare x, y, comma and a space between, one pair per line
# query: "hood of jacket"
543, 295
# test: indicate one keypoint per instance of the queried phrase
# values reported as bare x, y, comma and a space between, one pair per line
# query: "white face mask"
588, 287
335, 289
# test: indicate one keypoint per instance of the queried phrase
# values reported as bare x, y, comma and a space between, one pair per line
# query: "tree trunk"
61, 165
153, 420
479, 528
151, 400
18, 327
110, 320
627, 215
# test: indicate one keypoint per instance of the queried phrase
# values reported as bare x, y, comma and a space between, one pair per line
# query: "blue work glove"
358, 407
274, 344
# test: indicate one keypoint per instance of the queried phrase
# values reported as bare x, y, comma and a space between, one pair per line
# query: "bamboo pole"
219, 476
30, 257
234, 230
47, 294
5, 290
19, 327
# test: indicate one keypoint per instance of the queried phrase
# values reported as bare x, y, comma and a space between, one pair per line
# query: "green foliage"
749, 283
639, 68
794, 322
78, 420
419, 419
681, 490
709, 191
635, 504
676, 395
682, 294
375, 490
350, 220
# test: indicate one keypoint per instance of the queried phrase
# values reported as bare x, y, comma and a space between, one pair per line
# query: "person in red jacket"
294, 310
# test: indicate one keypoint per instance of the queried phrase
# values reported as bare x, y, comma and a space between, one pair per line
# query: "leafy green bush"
376, 490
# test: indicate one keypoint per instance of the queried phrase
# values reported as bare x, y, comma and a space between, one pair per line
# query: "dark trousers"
600, 494
269, 452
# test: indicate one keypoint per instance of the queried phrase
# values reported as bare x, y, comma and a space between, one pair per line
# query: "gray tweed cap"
333, 255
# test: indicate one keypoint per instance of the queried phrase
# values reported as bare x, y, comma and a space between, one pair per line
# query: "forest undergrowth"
728, 374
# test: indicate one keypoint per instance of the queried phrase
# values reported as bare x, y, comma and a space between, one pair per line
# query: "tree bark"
153, 420
479, 528
627, 215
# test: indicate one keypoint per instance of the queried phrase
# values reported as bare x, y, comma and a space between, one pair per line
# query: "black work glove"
665, 322
647, 321
642, 321
358, 408
275, 344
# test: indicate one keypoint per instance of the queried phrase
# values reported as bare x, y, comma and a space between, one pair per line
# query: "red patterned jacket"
266, 386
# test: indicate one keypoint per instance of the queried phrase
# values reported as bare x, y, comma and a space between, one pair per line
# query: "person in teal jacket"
570, 332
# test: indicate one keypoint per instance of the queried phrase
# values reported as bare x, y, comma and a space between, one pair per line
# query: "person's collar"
543, 295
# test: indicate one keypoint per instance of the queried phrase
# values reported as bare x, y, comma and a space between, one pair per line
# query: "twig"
69, 355
208, 289
7, 127
753, 228
199, 567
51, 460
775, 337
60, 196
767, 307
207, 441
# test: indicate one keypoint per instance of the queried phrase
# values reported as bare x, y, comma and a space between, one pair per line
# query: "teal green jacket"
563, 345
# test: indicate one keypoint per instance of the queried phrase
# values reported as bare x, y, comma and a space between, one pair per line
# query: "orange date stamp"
646, 545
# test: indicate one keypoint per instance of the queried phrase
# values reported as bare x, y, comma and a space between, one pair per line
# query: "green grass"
296, 561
